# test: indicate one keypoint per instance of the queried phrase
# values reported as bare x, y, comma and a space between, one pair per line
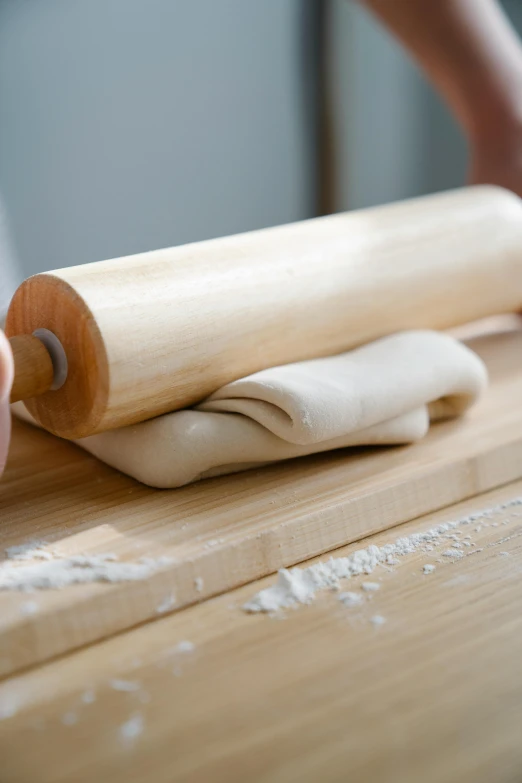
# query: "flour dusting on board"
31, 550
296, 586
126, 686
70, 719
168, 603
32, 566
131, 729
370, 587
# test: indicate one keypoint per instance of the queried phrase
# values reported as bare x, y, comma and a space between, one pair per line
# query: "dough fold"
383, 393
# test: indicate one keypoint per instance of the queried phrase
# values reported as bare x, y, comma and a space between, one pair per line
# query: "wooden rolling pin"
139, 336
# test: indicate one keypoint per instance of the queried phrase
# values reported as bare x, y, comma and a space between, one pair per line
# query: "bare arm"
472, 55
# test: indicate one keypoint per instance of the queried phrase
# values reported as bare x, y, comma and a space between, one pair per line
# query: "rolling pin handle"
40, 364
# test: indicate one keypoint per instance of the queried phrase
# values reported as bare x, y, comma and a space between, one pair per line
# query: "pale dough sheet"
382, 393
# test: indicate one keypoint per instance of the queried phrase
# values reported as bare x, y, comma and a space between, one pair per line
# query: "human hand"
6, 380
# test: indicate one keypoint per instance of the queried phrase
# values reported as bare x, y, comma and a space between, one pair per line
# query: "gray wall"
395, 138
127, 125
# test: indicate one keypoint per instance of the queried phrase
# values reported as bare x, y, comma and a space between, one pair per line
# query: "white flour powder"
454, 553
32, 550
185, 646
132, 728
299, 585
29, 608
370, 587
350, 599
89, 696
126, 686
48, 570
168, 603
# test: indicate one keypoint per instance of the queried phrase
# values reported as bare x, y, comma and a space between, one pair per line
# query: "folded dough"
383, 393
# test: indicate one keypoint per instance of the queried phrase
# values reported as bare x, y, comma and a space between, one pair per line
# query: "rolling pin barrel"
159, 331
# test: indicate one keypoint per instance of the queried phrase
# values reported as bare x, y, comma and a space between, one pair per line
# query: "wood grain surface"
434, 694
33, 366
225, 532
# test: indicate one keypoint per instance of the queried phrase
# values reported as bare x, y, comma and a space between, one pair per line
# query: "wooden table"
434, 694
209, 693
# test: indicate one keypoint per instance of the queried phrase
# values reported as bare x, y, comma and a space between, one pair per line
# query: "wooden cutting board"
225, 532
213, 695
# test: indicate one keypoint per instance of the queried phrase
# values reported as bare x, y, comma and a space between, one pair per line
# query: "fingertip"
6, 367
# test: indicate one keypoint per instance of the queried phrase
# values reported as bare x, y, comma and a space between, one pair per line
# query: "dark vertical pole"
318, 109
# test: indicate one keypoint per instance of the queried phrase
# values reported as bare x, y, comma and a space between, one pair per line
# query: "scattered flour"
198, 584
168, 603
150, 561
370, 587
132, 728
428, 568
185, 646
214, 542
69, 719
8, 706
28, 608
350, 599
55, 571
89, 696
32, 550
299, 585
454, 553
377, 619
127, 686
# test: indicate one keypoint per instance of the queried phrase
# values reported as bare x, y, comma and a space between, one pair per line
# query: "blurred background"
129, 125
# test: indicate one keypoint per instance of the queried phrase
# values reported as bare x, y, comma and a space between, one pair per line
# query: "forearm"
469, 51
